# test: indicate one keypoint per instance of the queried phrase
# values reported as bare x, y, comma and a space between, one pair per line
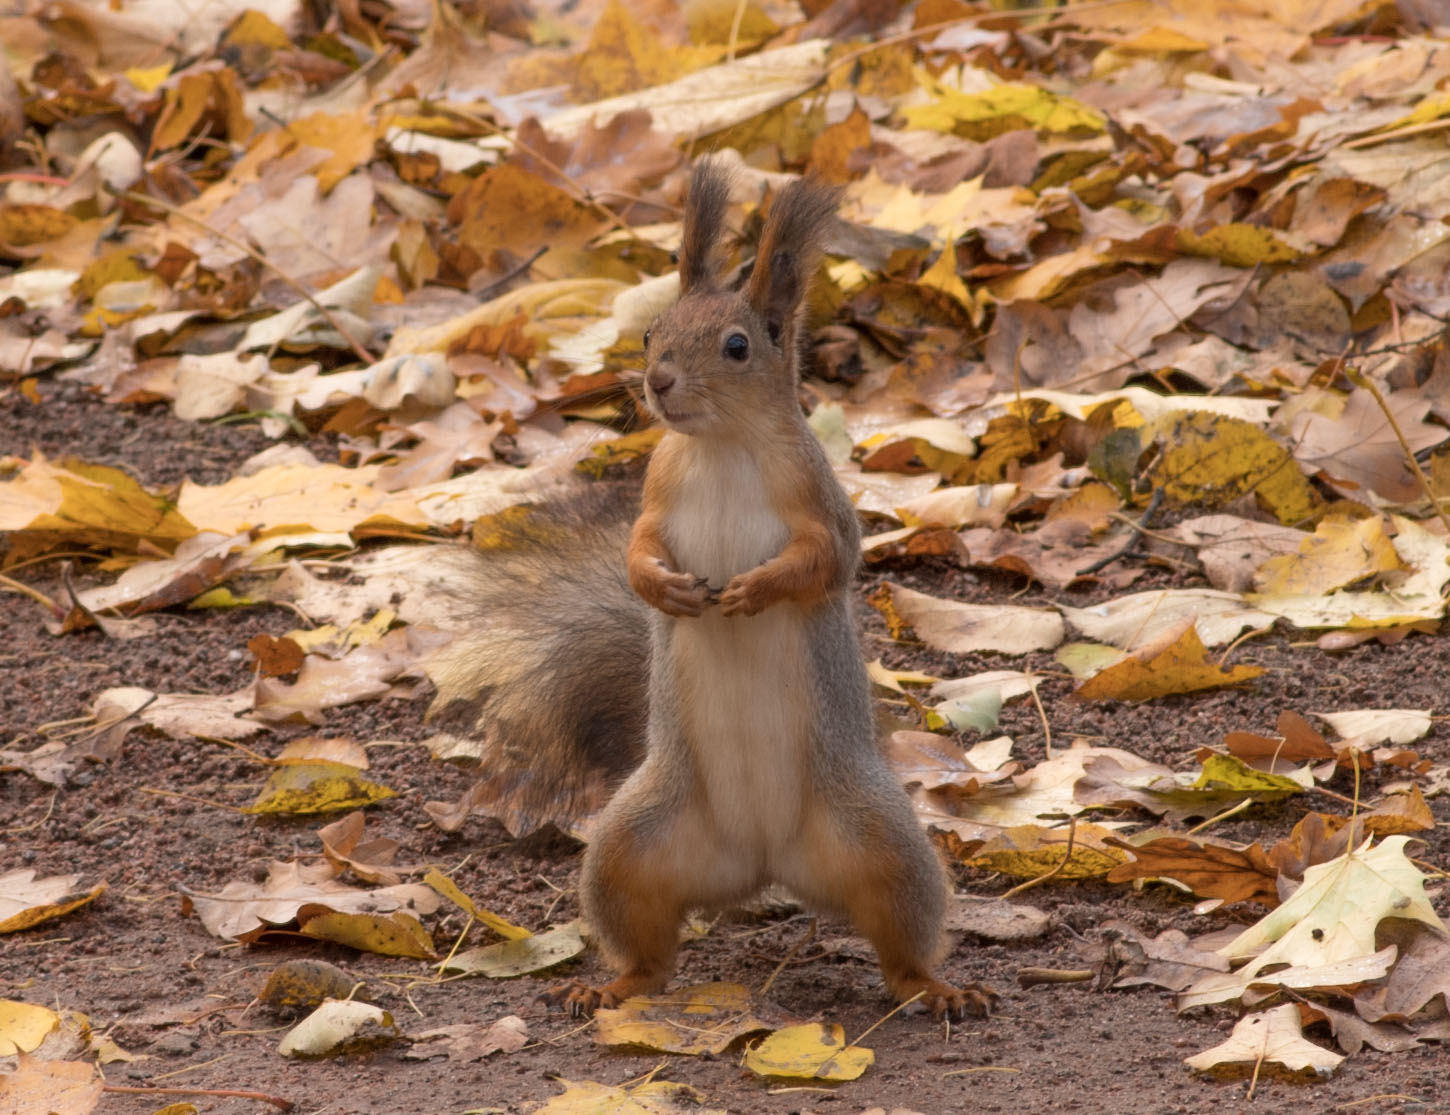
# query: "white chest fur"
743, 680
721, 522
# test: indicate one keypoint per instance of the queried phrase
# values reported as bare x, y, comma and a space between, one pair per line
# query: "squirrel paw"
975, 1000
577, 999
675, 594
743, 596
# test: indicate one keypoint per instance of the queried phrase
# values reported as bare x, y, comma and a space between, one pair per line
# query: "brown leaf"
1209, 870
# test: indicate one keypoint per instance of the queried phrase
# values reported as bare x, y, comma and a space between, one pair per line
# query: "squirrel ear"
709, 193
789, 249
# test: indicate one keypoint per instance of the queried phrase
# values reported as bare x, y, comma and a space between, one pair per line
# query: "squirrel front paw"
745, 595
674, 593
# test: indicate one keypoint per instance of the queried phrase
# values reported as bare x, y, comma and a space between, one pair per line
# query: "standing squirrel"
760, 760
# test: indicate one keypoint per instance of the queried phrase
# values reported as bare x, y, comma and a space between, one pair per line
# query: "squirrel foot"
577, 998
974, 1000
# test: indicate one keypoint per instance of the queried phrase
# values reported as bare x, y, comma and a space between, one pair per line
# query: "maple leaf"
1329, 920
1274, 1036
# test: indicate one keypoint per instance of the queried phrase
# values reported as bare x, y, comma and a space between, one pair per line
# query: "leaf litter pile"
1130, 347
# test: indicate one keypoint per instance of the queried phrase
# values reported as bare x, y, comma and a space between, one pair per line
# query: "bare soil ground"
163, 818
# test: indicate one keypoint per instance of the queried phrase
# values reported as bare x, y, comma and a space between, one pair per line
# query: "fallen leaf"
1274, 1037
814, 1051
704, 1019
470, 1041
1175, 662
26, 900
337, 1027
521, 956
967, 628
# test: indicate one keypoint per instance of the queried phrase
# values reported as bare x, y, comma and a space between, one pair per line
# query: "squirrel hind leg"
886, 877
634, 913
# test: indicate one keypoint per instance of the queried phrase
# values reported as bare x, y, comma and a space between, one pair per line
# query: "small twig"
70, 588
223, 1093
1225, 815
191, 797
1066, 858
1046, 727
1139, 528
34, 593
1032, 977
241, 246
810, 935
510, 275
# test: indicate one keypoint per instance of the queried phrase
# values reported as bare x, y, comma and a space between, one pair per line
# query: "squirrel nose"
660, 380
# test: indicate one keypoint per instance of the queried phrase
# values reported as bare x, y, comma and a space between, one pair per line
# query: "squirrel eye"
647, 332
737, 346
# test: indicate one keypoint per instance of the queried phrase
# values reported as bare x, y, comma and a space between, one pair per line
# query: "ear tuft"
709, 194
789, 250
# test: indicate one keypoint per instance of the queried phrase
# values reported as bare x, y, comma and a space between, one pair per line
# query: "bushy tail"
547, 688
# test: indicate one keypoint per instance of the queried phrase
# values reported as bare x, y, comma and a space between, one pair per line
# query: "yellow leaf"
1174, 663
1272, 1037
968, 628
396, 934
1211, 460
449, 890
712, 99
350, 139
23, 225
1003, 108
23, 1026
621, 450
1240, 245
1341, 550
317, 787
533, 953
147, 79
27, 901
895, 679
624, 55
814, 1051
325, 497
1028, 851
253, 28
693, 1021
80, 504
654, 1097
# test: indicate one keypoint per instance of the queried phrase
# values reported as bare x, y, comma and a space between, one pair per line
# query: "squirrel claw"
943, 1000
576, 998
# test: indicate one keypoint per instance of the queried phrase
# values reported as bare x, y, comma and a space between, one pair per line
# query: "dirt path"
162, 819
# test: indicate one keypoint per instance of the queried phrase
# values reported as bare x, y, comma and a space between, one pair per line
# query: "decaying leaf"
653, 1097
26, 900
964, 628
708, 1018
507, 959
470, 1041
339, 1026
1273, 1038
814, 1051
246, 910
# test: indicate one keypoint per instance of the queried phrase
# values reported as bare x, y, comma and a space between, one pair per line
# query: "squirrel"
759, 762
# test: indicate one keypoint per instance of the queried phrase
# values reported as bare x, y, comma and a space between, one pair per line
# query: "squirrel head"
719, 360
